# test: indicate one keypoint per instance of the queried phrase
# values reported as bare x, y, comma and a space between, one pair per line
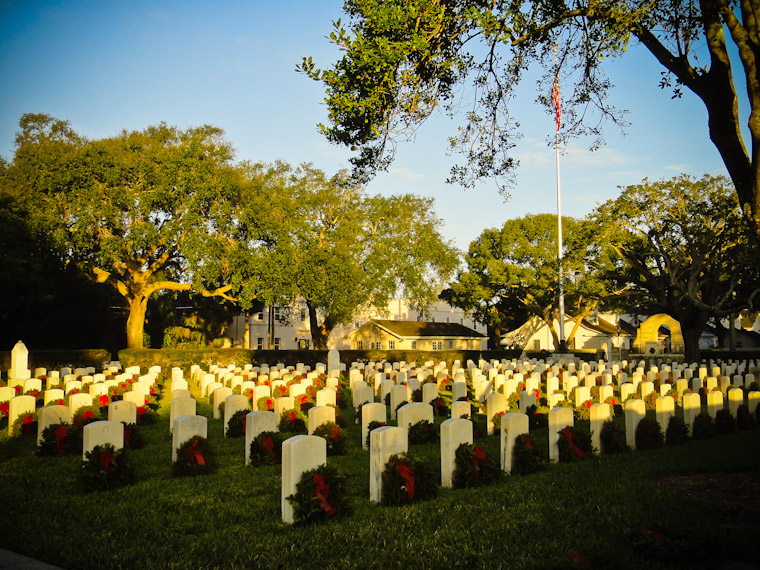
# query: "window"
448, 320
359, 345
258, 317
414, 345
260, 343
391, 345
461, 321
357, 324
277, 343
279, 314
437, 345
303, 315
432, 319
451, 345
536, 345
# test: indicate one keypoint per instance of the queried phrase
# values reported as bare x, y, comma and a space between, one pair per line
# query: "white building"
289, 327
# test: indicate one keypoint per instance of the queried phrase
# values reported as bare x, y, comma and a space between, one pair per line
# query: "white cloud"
406, 174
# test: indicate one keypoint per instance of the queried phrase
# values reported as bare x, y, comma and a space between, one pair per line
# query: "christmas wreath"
320, 495
440, 407
648, 434
25, 424
407, 479
574, 445
422, 432
265, 404
85, 415
266, 449
474, 468
527, 456
373, 425
292, 421
133, 439
677, 432
59, 439
236, 424
334, 436
105, 468
612, 439
146, 416
194, 457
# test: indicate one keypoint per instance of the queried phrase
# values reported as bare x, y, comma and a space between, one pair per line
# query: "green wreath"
59, 439
407, 479
266, 449
194, 457
422, 432
473, 467
293, 421
320, 495
85, 415
335, 437
574, 445
133, 439
105, 468
25, 424
236, 424
527, 456
371, 426
612, 439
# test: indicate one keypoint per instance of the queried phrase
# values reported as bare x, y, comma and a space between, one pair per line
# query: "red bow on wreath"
322, 491
103, 401
106, 461
268, 444
194, 455
407, 474
568, 433
60, 434
478, 455
336, 433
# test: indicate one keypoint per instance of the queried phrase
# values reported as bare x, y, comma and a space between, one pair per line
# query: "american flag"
557, 103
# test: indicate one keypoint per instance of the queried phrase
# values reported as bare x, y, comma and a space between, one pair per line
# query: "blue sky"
107, 66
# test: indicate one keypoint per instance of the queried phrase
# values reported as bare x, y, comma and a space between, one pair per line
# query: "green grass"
232, 519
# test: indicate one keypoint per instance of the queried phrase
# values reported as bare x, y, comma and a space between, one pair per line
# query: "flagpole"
560, 255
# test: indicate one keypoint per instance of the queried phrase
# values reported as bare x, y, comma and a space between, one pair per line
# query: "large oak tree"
403, 59
142, 212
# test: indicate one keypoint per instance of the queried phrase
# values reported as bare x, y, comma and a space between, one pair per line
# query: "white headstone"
454, 432
599, 413
559, 418
299, 454
122, 412
513, 424
186, 427
372, 412
50, 415
256, 423
634, 410
414, 412
102, 433
384, 443
232, 404
319, 415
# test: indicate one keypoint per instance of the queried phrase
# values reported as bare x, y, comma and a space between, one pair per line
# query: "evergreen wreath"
85, 415
105, 467
335, 437
236, 424
473, 468
266, 449
146, 416
527, 456
422, 432
612, 439
194, 457
292, 421
371, 426
744, 418
407, 479
133, 439
703, 427
677, 432
574, 444
57, 440
440, 407
25, 424
648, 434
320, 495
265, 404
725, 422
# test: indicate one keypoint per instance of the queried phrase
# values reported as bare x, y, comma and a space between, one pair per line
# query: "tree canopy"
144, 211
512, 273
404, 59
340, 250
680, 247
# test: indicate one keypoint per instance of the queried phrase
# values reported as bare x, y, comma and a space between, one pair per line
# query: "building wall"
292, 330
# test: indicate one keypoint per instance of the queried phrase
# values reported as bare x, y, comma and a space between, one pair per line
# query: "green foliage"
266, 449
293, 422
236, 424
528, 456
407, 479
422, 432
612, 439
574, 445
85, 415
724, 422
704, 427
106, 468
648, 434
60, 439
371, 426
677, 432
744, 418
473, 467
194, 457
334, 436
320, 495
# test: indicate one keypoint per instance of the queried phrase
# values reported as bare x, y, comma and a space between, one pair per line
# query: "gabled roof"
420, 329
606, 327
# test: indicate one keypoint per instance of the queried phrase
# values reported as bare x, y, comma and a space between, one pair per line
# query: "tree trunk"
319, 332
136, 321
691, 342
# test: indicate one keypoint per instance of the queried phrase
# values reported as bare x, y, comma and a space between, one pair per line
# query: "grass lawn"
619, 511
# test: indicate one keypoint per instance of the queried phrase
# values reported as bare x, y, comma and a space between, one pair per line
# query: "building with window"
415, 335
288, 328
